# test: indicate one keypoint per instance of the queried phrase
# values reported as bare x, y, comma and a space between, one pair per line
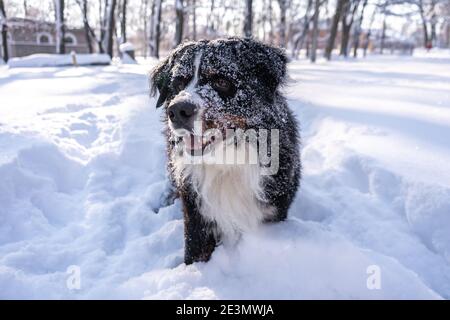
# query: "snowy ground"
82, 169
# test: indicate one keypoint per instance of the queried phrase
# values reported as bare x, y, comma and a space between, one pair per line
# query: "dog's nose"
182, 114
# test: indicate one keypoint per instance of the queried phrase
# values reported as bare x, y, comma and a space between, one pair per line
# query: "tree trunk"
433, 36
123, 22
25, 8
369, 32
147, 38
4, 31
270, 22
315, 31
110, 27
344, 40
357, 32
282, 5
298, 44
84, 9
179, 12
383, 35
248, 20
348, 12
334, 26
194, 20
424, 24
60, 29
157, 32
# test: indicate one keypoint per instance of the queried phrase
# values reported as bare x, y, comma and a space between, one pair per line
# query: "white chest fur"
230, 195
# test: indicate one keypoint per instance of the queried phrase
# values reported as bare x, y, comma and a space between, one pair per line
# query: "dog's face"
220, 84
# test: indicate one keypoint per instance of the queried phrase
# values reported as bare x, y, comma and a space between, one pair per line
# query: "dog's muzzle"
182, 115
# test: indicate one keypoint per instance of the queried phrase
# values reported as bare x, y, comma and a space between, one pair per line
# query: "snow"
82, 163
54, 60
126, 46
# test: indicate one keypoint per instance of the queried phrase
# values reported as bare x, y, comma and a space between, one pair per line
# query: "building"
27, 36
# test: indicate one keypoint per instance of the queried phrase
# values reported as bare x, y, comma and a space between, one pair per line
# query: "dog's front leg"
199, 237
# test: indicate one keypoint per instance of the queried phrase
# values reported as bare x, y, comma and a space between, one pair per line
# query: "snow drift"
58, 60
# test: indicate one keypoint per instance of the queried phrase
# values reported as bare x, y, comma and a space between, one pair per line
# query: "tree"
248, 20
424, 22
123, 21
109, 26
369, 32
60, 28
270, 22
87, 31
179, 22
334, 26
194, 22
4, 31
383, 33
348, 16
25, 8
315, 32
148, 31
283, 7
428, 11
357, 32
157, 28
300, 39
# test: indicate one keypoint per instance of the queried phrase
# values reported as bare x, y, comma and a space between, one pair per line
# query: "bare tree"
300, 39
157, 28
315, 31
4, 31
25, 8
144, 18
369, 32
383, 33
283, 7
194, 21
179, 22
334, 26
123, 21
248, 20
109, 27
429, 16
87, 32
270, 13
348, 16
357, 31
424, 22
60, 28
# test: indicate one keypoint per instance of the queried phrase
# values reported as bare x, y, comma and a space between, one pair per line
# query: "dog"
230, 87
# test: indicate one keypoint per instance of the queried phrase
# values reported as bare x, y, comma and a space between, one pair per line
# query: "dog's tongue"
193, 142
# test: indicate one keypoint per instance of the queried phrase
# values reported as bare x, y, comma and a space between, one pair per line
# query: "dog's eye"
222, 85
179, 84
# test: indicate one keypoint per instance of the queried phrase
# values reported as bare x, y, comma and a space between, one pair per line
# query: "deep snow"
82, 169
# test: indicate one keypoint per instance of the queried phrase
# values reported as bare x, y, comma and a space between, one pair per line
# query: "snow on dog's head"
209, 89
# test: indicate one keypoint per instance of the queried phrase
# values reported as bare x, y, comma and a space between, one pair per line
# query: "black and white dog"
221, 100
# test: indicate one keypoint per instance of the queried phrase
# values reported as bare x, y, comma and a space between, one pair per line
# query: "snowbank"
57, 60
126, 46
82, 162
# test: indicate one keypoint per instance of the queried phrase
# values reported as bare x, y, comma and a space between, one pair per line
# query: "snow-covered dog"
233, 143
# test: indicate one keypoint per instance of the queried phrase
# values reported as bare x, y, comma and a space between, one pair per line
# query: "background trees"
304, 27
4, 30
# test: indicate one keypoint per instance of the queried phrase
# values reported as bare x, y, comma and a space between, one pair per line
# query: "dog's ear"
160, 80
161, 75
270, 65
